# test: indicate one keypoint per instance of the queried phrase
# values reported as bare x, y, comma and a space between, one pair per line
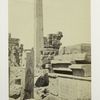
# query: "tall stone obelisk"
38, 22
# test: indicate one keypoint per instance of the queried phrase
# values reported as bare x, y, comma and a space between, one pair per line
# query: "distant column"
38, 30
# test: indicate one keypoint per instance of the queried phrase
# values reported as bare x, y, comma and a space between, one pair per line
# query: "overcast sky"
72, 17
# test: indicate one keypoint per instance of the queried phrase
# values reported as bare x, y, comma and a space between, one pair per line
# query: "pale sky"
72, 17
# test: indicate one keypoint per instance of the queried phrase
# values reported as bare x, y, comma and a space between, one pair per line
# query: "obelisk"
38, 22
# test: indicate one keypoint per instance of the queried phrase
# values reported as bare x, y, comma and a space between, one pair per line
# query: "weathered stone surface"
61, 62
41, 93
74, 89
16, 68
15, 51
53, 40
83, 70
29, 75
15, 90
14, 99
68, 87
82, 57
16, 73
51, 97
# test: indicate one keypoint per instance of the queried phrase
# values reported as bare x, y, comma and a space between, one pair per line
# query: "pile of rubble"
51, 48
75, 60
16, 68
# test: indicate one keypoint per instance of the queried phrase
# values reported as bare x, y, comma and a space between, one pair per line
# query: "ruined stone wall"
17, 80
51, 48
16, 68
64, 87
79, 57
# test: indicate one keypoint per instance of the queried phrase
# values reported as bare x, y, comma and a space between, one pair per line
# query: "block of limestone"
83, 70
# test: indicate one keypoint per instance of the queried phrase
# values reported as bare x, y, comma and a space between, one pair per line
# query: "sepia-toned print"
49, 50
